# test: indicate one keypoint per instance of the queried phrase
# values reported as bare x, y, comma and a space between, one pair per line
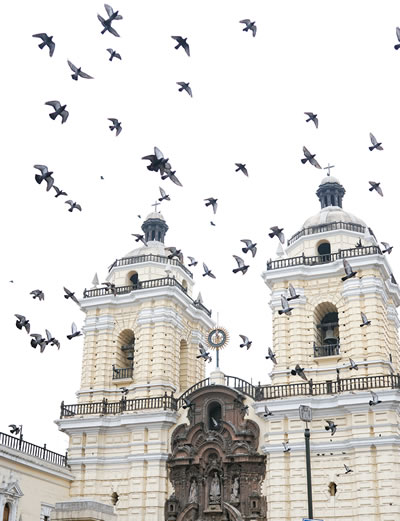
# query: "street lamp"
306, 416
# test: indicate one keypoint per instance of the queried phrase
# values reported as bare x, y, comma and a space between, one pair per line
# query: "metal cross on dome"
156, 204
329, 168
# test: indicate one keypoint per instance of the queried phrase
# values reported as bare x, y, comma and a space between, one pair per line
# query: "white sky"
335, 58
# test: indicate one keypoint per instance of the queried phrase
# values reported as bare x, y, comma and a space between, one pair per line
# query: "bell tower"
323, 331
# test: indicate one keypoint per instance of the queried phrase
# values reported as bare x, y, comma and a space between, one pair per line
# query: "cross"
156, 204
329, 168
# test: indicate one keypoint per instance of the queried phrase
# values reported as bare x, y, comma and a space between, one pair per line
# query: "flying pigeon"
359, 244
267, 412
174, 252
22, 322
113, 54
74, 332
184, 86
59, 110
271, 356
38, 340
353, 365
285, 306
312, 117
58, 191
182, 43
310, 157
214, 422
124, 390
158, 162
111, 17
397, 46
299, 371
388, 249
374, 400
375, 186
170, 174
37, 293
78, 72
292, 293
250, 246
207, 271
241, 265
139, 237
347, 469
212, 223
375, 143
286, 447
188, 404
112, 287
242, 168
51, 340
71, 295
348, 270
277, 232
73, 205
115, 125
45, 176
250, 26
193, 261
14, 429
331, 426
46, 40
246, 342
213, 202
365, 321
204, 354
164, 196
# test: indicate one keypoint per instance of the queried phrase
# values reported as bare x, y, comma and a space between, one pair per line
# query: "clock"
218, 338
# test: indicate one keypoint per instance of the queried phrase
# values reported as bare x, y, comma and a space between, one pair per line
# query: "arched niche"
214, 415
326, 330
184, 366
126, 348
132, 279
324, 250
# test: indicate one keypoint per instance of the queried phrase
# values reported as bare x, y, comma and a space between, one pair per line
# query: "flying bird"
212, 223
207, 271
397, 46
242, 168
113, 54
184, 86
348, 270
299, 371
59, 110
312, 117
365, 321
331, 426
249, 26
214, 422
250, 246
73, 205
139, 237
310, 157
347, 469
115, 125
359, 244
375, 400
213, 202
45, 176
241, 265
170, 174
277, 232
158, 163
124, 390
174, 252
14, 429
353, 365
46, 40
71, 295
112, 287
375, 143
375, 186
188, 403
292, 293
193, 261
58, 191
111, 17
182, 42
245, 342
271, 356
78, 72
267, 412
38, 340
37, 293
74, 332
204, 354
285, 306
286, 447
22, 322
51, 340
164, 196
388, 249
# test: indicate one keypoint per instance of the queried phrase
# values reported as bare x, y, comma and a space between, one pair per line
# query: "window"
326, 332
6, 512
332, 488
324, 251
214, 415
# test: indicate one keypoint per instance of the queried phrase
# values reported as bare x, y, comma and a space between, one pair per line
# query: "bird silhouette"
286, 447
365, 321
113, 54
116, 125
22, 322
271, 356
267, 412
139, 237
188, 404
375, 186
37, 293
71, 295
285, 306
353, 365
249, 26
292, 293
184, 86
51, 339
38, 340
182, 42
77, 71
250, 246
213, 202
312, 117
348, 270
241, 265
330, 427
204, 354
242, 168
193, 261
111, 17
164, 196
375, 144
73, 205
45, 176
375, 400
59, 110
207, 271
46, 40
387, 248
74, 332
299, 371
58, 191
310, 157
277, 232
245, 342
14, 429
397, 46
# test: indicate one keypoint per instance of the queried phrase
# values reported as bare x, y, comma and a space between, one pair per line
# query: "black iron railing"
144, 284
326, 350
122, 373
33, 450
322, 259
127, 261
326, 228
199, 385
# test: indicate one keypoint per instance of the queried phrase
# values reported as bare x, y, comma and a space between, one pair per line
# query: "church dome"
332, 214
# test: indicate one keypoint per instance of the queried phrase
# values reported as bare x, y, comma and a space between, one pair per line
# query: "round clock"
217, 338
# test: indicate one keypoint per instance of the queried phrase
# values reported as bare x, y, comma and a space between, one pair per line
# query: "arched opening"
184, 284
326, 332
214, 415
324, 251
6, 512
184, 366
114, 498
153, 235
332, 488
133, 279
124, 355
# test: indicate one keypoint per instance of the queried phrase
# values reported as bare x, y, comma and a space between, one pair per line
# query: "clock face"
217, 338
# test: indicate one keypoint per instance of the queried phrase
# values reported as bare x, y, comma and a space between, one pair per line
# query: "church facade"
152, 439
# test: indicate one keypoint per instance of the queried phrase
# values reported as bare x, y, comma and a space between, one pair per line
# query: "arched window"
326, 333
332, 488
184, 366
133, 279
124, 355
6, 512
214, 415
324, 251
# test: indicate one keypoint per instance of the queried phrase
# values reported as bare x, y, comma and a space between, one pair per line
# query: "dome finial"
329, 169
330, 192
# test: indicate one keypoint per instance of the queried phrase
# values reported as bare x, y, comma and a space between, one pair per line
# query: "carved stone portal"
216, 470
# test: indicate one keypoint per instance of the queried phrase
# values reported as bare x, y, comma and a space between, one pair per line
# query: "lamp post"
306, 416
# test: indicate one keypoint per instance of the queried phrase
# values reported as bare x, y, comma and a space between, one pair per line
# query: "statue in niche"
215, 490
193, 493
235, 490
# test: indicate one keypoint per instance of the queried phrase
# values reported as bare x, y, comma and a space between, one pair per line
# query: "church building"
151, 438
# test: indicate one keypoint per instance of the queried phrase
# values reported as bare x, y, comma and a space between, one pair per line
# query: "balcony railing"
123, 373
144, 284
323, 259
127, 261
326, 350
33, 450
359, 228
